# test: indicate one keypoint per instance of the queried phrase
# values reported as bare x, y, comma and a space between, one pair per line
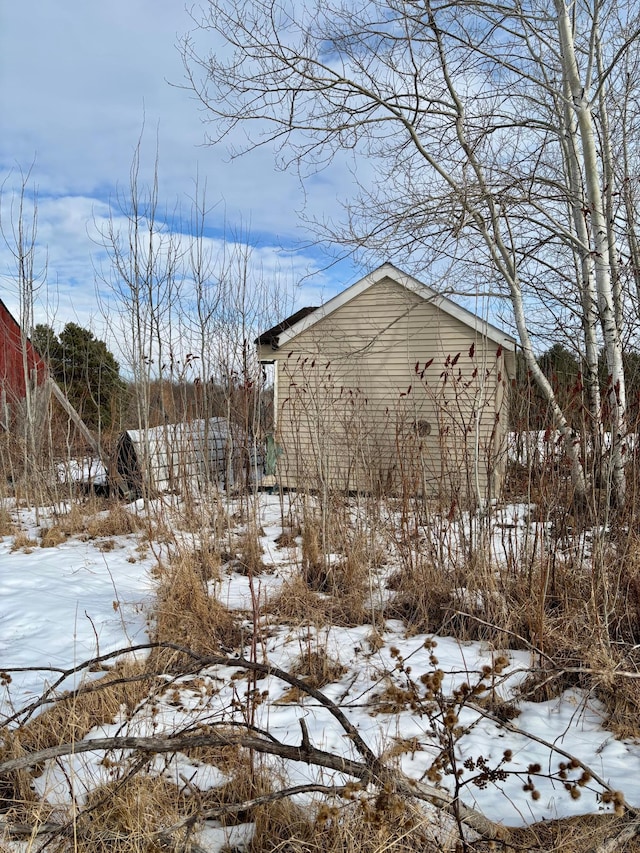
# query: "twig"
616, 842
25, 713
504, 724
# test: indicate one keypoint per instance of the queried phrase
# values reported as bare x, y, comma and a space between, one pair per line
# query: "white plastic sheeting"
174, 457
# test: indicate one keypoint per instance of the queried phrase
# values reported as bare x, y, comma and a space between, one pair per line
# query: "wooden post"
55, 389
112, 470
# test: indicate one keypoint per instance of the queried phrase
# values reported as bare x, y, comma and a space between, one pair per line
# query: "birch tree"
486, 128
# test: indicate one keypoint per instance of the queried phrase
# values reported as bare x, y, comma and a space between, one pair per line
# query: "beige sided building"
391, 387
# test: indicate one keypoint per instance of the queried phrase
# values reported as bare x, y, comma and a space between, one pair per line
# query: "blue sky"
79, 81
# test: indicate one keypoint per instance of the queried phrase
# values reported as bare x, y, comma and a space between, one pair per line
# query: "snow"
89, 471
62, 605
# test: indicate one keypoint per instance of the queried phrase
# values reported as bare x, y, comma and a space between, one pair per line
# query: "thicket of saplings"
568, 590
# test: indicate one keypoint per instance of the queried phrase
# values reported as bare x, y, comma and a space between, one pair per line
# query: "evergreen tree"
85, 368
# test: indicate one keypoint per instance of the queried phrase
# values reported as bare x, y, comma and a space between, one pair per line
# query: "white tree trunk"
601, 248
585, 271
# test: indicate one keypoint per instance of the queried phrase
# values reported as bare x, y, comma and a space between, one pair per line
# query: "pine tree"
85, 368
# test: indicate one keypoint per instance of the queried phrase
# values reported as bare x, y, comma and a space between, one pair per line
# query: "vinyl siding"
354, 399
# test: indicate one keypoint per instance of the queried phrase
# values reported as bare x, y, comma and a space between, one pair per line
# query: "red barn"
21, 363
15, 355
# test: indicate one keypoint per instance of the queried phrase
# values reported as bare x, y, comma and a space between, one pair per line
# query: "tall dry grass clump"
18, 799
624, 574
296, 604
315, 668
349, 822
385, 824
116, 521
338, 566
135, 814
7, 524
96, 519
446, 580
250, 560
574, 595
187, 613
581, 834
314, 558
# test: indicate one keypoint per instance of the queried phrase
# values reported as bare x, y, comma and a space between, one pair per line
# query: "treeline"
91, 378
565, 372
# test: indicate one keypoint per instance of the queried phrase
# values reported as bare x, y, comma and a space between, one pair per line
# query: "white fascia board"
329, 307
493, 333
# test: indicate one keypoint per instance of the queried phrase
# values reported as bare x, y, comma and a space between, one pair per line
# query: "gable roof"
306, 318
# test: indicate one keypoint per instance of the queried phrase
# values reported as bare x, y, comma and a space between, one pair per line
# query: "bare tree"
250, 299
487, 124
19, 230
144, 277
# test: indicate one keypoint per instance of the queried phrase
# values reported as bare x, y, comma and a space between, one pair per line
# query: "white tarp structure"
174, 457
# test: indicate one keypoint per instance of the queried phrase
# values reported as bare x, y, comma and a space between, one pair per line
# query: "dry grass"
295, 603
74, 522
345, 579
383, 825
207, 563
313, 557
250, 560
91, 521
131, 815
618, 693
7, 524
187, 614
345, 825
98, 701
223, 753
582, 834
422, 596
626, 583
282, 826
289, 537
53, 536
117, 521
23, 542
195, 516
248, 780
18, 800
69, 719
553, 603
316, 669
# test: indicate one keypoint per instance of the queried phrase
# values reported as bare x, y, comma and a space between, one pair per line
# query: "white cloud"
79, 81
70, 251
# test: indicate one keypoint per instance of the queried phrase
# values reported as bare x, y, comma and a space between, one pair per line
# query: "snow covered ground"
61, 605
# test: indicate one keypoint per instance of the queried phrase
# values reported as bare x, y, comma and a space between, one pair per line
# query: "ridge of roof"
304, 319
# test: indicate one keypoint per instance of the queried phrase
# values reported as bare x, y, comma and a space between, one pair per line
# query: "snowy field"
62, 605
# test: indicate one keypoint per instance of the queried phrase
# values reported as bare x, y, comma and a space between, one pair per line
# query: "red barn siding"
12, 374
